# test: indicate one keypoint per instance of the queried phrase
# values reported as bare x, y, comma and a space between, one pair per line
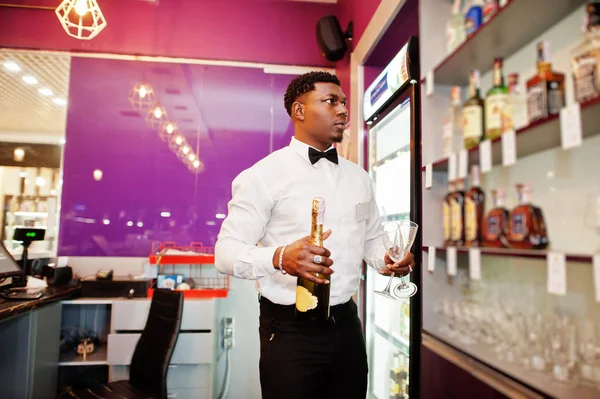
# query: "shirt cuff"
262, 260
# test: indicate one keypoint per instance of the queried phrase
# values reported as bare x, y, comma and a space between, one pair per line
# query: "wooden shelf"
516, 253
515, 25
98, 358
539, 136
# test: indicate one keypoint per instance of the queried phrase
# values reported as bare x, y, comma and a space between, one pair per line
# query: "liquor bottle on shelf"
490, 8
585, 57
496, 101
546, 90
455, 28
515, 113
447, 215
495, 225
527, 229
457, 212
474, 210
473, 113
473, 17
452, 129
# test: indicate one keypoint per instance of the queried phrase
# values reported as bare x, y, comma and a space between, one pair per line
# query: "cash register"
10, 268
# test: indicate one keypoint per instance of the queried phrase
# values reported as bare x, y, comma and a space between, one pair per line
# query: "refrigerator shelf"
516, 253
495, 38
399, 342
539, 136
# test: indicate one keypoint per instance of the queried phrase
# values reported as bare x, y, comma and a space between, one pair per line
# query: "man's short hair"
304, 84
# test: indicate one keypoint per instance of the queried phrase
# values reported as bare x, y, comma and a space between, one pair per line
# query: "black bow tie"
315, 155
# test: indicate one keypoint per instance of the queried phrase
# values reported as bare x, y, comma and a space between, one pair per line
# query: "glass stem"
403, 281
388, 287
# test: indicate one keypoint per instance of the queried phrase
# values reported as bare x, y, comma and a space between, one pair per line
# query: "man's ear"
298, 111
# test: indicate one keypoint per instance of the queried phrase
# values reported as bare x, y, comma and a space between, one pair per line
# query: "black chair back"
153, 352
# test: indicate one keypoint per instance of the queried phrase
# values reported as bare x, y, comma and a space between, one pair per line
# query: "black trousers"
304, 360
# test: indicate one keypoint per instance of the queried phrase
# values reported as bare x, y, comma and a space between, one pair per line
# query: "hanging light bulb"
157, 112
19, 154
170, 128
185, 150
167, 131
81, 7
156, 116
178, 140
71, 15
142, 97
192, 157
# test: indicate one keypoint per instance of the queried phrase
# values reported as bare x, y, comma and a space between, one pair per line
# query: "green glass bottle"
496, 101
473, 115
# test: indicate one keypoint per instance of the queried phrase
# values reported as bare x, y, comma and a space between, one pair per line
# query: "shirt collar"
302, 149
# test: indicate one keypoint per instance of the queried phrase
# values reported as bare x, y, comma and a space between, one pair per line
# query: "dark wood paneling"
36, 155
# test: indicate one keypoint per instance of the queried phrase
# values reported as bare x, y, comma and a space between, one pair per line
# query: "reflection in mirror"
33, 101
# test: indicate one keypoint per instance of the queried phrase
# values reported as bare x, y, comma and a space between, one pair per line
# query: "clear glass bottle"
496, 101
473, 113
527, 228
585, 57
452, 129
546, 90
474, 210
455, 28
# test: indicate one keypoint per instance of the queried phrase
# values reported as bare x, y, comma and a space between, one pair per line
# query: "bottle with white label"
515, 115
452, 129
473, 113
447, 216
474, 210
457, 212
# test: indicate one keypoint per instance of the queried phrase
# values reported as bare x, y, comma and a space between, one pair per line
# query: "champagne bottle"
312, 300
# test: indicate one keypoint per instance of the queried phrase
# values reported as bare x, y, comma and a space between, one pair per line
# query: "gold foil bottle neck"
318, 214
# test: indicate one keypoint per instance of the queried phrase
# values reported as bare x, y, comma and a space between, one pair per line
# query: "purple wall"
224, 113
270, 31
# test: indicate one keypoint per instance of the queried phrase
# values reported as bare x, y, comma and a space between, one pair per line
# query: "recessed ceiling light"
44, 91
59, 101
30, 80
12, 66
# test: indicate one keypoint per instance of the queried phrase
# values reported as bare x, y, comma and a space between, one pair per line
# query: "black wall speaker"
331, 38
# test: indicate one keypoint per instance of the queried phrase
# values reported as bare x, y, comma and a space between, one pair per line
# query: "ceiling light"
30, 80
142, 97
98, 175
167, 130
130, 223
196, 164
165, 214
178, 140
170, 128
19, 155
220, 216
106, 222
59, 101
185, 150
85, 22
44, 91
140, 224
192, 157
12, 66
156, 116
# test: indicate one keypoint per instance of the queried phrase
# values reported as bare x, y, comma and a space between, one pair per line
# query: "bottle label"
494, 107
518, 227
536, 102
457, 220
471, 225
446, 216
493, 227
305, 300
586, 78
555, 98
472, 116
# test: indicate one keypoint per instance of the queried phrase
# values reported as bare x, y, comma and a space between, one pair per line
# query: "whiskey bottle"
527, 229
452, 129
495, 225
495, 102
585, 57
474, 210
447, 215
515, 115
473, 115
457, 212
395, 378
455, 28
546, 90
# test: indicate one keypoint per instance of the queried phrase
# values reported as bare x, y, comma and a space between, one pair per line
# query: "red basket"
205, 286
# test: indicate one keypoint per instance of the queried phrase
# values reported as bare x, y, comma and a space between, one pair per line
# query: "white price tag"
475, 264
431, 260
463, 164
452, 167
557, 273
429, 84
485, 156
509, 148
571, 134
428, 176
597, 277
451, 260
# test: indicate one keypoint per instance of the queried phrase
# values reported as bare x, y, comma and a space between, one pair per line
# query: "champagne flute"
408, 231
394, 246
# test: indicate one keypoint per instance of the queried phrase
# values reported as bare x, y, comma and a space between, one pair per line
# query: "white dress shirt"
271, 207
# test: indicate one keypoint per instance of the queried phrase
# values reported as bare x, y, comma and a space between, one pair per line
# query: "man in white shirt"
271, 206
